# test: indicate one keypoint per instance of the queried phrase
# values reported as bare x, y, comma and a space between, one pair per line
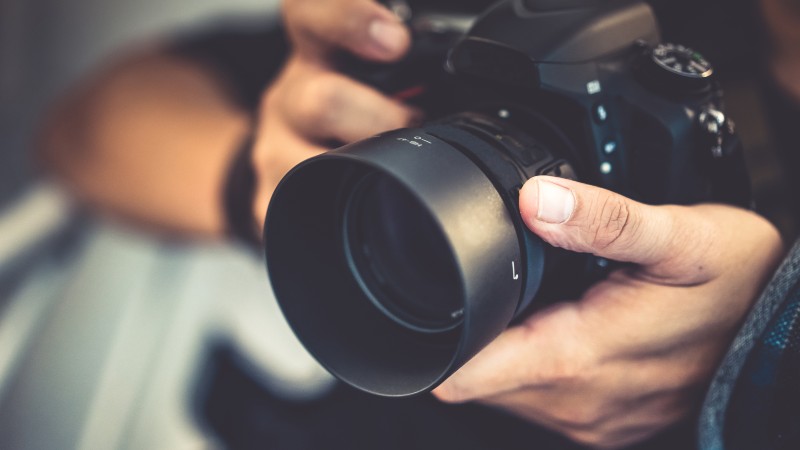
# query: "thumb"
588, 219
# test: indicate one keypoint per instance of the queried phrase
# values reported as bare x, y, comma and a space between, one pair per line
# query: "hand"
635, 354
310, 104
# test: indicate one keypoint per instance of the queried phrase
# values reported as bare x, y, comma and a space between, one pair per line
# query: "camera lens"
399, 256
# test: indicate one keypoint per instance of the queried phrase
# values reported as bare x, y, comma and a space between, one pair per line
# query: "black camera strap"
239, 194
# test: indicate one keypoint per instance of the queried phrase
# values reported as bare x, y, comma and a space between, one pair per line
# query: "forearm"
149, 140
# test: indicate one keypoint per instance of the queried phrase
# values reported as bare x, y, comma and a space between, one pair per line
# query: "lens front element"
399, 256
394, 263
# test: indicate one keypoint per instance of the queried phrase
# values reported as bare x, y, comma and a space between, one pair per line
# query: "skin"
170, 122
147, 141
630, 358
310, 103
635, 353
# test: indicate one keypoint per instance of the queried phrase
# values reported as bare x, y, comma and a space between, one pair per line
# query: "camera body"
634, 112
413, 241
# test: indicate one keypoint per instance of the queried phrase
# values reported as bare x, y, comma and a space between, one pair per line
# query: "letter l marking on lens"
514, 273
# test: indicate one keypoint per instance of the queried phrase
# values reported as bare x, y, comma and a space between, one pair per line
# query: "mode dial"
675, 69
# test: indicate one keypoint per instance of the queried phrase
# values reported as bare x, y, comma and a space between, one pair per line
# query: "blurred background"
107, 333
47, 45
111, 337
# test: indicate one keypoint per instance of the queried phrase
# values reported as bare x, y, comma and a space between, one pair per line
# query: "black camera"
396, 259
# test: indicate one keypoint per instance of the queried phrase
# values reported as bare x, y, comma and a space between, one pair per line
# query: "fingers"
588, 219
543, 351
340, 108
323, 105
584, 368
674, 245
363, 27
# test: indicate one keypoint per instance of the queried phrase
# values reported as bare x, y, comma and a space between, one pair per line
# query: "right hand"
636, 352
309, 103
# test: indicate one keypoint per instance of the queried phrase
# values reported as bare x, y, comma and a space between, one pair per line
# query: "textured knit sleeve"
753, 398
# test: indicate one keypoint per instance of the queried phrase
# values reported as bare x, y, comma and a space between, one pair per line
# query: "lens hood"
326, 301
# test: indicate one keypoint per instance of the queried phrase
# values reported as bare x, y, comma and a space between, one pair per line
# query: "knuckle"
583, 437
320, 101
292, 11
593, 439
584, 418
588, 415
611, 219
564, 373
770, 235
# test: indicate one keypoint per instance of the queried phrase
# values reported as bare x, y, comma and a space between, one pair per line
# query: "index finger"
544, 349
362, 27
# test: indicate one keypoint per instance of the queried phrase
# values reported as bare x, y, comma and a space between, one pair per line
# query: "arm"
151, 139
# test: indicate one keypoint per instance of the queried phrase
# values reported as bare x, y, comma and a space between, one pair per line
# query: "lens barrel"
397, 258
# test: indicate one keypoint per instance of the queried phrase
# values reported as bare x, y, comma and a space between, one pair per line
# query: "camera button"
600, 113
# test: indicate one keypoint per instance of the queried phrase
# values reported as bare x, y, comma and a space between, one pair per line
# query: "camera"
397, 258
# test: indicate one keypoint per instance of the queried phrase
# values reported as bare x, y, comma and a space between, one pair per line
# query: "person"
154, 137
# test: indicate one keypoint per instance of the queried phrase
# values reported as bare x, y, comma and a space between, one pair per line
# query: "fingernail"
389, 36
556, 203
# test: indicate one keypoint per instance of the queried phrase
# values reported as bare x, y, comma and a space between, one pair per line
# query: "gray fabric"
712, 417
105, 332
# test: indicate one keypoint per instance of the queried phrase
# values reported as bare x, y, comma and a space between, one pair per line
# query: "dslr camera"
397, 258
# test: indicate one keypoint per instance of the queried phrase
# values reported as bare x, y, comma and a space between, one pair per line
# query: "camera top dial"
681, 61
675, 69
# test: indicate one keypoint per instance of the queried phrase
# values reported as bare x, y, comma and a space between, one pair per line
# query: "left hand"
310, 103
635, 354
